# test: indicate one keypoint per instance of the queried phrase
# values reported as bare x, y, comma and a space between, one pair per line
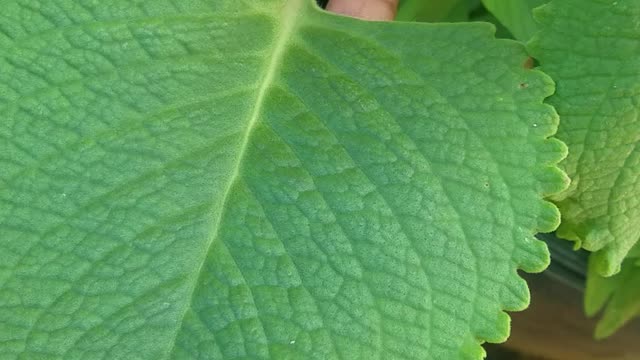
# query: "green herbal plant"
224, 179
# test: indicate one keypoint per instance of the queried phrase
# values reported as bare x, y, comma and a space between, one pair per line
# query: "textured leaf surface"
516, 15
223, 180
619, 295
597, 69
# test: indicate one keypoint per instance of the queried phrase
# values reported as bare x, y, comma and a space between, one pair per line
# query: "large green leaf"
597, 69
222, 179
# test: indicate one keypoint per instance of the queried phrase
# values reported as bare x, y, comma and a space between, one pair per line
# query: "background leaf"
619, 296
482, 14
516, 15
221, 179
435, 10
597, 70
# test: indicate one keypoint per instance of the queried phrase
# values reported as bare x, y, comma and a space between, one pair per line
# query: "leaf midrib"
289, 15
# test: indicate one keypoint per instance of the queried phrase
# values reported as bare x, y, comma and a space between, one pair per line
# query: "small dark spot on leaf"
523, 85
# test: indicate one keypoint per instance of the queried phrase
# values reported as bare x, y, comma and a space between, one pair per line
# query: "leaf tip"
606, 263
